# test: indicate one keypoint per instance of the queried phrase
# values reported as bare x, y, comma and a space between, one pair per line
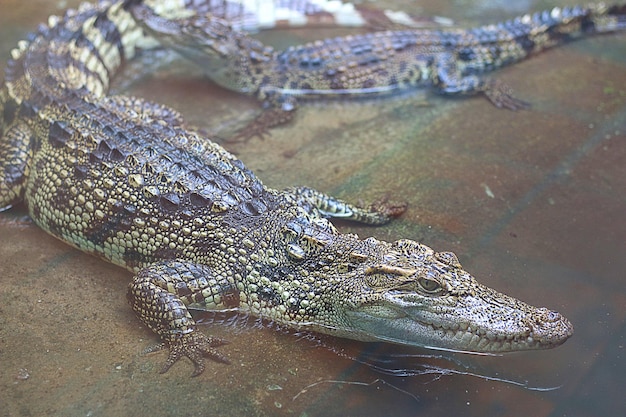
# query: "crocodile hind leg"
278, 109
448, 79
378, 213
161, 294
15, 159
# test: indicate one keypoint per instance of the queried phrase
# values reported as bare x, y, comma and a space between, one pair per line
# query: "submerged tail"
545, 29
606, 19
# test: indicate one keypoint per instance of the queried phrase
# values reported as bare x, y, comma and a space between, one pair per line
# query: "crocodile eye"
295, 252
429, 285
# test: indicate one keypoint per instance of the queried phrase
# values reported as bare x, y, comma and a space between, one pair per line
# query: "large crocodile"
126, 180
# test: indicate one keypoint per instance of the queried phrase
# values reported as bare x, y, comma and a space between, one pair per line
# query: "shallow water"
531, 201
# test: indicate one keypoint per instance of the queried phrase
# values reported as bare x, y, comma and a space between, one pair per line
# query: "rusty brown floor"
533, 202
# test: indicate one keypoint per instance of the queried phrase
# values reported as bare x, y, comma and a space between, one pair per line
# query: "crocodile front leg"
161, 296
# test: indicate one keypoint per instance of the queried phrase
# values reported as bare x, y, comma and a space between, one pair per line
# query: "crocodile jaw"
493, 324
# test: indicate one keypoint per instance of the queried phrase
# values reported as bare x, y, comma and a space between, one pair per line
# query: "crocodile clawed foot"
260, 127
501, 95
388, 208
252, 130
196, 346
275, 114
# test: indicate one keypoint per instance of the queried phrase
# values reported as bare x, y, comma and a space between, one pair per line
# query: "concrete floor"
533, 203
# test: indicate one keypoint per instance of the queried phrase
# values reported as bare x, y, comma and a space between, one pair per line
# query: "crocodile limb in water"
126, 180
452, 61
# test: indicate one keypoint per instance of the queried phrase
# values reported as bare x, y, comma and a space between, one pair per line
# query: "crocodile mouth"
480, 340
515, 332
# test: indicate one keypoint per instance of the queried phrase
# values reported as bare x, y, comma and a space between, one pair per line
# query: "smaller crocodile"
127, 180
452, 61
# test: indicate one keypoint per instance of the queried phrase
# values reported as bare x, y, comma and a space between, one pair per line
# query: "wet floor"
533, 203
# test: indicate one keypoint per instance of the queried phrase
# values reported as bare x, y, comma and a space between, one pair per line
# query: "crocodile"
451, 61
127, 180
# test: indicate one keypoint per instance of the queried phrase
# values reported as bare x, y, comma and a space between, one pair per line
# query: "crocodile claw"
388, 208
196, 346
501, 95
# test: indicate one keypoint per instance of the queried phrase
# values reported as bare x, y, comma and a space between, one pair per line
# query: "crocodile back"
116, 176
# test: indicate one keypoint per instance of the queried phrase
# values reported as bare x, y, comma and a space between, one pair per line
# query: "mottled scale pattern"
127, 180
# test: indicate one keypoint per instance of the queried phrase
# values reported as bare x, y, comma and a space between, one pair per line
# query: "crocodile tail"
613, 19
542, 30
79, 51
572, 22
602, 19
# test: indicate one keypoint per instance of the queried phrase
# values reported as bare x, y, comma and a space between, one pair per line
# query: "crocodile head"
413, 295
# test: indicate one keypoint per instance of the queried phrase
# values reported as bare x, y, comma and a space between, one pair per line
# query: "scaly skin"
128, 181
